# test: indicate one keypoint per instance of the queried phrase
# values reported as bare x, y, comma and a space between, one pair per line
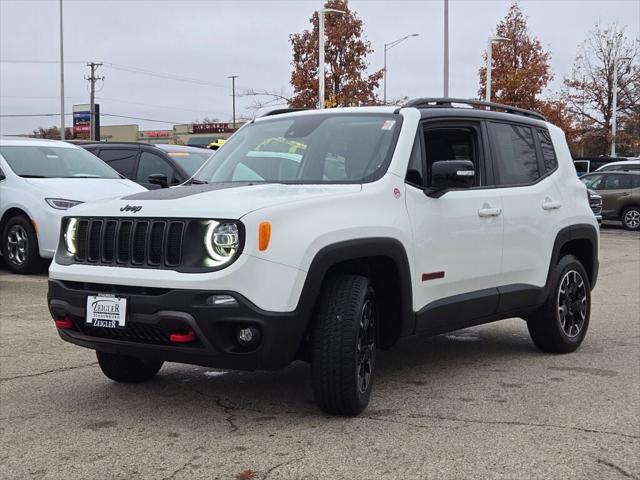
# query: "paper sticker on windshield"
388, 124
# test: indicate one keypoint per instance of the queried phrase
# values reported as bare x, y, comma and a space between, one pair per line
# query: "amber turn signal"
264, 235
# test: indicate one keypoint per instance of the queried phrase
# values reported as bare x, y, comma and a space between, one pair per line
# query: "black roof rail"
279, 111
448, 103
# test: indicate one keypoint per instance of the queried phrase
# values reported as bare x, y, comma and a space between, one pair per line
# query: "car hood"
84, 189
220, 200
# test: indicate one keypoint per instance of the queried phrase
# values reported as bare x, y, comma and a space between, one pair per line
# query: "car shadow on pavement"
288, 391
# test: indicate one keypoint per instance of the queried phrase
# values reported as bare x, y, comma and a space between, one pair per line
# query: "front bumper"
153, 313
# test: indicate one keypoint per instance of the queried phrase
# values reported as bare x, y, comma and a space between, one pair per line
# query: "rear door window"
123, 160
514, 153
617, 182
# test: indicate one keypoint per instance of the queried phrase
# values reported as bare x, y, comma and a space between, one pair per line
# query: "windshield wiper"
33, 176
195, 181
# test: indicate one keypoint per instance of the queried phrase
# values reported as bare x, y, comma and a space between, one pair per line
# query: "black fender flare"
581, 231
336, 253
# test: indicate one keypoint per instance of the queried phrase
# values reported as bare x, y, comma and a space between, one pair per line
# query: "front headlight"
222, 241
70, 235
62, 203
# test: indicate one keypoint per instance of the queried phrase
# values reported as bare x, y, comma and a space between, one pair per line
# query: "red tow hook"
188, 337
64, 324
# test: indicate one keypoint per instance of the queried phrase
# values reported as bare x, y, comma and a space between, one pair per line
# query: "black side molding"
583, 232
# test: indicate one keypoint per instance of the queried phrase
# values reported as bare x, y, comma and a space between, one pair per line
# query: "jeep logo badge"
131, 208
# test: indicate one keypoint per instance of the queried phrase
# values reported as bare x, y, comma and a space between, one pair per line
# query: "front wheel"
631, 218
20, 246
126, 369
560, 325
344, 345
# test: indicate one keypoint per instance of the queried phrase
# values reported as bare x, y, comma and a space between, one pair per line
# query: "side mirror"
159, 179
451, 174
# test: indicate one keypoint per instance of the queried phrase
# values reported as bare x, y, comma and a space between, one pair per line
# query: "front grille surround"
157, 243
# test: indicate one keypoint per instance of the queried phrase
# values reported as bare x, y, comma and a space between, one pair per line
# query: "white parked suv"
324, 235
39, 181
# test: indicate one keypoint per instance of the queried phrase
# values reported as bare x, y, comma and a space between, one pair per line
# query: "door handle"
489, 212
549, 204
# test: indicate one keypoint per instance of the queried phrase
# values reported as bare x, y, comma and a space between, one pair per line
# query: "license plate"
107, 311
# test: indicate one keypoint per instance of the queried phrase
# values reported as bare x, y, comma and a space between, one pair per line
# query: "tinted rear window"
548, 153
515, 154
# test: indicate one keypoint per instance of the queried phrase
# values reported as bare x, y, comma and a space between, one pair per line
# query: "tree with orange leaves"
520, 68
347, 82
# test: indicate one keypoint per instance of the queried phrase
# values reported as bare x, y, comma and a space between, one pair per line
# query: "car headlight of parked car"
62, 203
222, 241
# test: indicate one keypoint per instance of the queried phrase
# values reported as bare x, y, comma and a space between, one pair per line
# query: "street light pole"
491, 41
62, 127
389, 46
321, 14
233, 95
614, 113
446, 48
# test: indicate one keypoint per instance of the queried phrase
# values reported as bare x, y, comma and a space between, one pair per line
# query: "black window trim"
538, 151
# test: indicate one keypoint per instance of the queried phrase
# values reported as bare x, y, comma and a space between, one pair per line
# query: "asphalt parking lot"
479, 403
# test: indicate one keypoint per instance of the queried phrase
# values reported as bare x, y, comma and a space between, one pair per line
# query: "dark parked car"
152, 166
595, 201
620, 193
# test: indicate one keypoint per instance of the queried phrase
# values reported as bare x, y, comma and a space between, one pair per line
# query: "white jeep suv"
324, 235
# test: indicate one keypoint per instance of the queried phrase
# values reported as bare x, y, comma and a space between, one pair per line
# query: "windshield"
321, 148
190, 161
55, 162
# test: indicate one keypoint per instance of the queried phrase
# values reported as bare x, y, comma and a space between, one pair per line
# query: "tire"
126, 369
20, 246
631, 218
343, 345
561, 324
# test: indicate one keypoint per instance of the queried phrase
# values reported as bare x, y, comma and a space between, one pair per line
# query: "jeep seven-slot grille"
139, 242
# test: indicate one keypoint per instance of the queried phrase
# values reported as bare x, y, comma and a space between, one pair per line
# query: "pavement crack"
617, 468
182, 468
282, 464
47, 372
228, 410
502, 422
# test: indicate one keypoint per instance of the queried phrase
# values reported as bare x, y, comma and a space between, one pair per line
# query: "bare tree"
588, 91
263, 99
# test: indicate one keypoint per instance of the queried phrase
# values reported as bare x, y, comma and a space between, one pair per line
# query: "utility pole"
233, 94
62, 129
446, 48
92, 100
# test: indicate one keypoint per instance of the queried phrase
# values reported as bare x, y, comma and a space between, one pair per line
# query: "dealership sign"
82, 121
213, 128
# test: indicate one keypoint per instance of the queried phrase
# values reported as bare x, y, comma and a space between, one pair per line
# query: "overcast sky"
210, 40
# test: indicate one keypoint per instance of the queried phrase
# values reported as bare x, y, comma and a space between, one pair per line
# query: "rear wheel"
123, 368
560, 325
631, 218
20, 246
344, 345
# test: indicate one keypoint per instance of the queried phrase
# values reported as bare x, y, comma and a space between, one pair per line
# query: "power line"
117, 100
102, 115
138, 71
